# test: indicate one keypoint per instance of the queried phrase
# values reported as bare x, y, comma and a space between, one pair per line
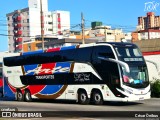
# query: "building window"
50, 29
50, 23
27, 20
58, 15
8, 18
29, 48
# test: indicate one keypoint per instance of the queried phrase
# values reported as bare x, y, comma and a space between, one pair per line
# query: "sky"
116, 13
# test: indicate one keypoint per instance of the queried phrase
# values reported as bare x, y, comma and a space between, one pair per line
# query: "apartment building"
149, 21
105, 33
25, 24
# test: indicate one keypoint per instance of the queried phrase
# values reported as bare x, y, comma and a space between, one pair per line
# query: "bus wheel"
19, 96
83, 98
97, 98
27, 96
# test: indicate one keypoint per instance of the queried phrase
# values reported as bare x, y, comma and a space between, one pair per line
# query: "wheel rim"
83, 97
97, 97
19, 96
27, 96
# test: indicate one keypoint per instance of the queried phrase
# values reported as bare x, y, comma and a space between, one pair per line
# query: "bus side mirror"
121, 63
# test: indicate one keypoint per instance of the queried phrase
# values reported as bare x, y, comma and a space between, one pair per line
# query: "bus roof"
117, 43
79, 46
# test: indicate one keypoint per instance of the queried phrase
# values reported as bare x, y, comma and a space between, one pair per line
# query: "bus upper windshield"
127, 54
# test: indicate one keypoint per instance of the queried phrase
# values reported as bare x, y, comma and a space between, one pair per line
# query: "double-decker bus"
86, 73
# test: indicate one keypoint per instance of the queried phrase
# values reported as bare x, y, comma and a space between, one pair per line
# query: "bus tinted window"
83, 54
128, 52
79, 55
103, 51
39, 58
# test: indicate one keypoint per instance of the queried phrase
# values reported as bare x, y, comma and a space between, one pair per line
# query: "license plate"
141, 98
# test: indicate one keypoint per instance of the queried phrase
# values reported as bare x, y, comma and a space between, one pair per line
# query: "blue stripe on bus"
7, 91
33, 52
52, 89
27, 68
68, 47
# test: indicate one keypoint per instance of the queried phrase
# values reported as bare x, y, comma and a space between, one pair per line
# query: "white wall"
65, 21
152, 35
153, 66
36, 4
34, 21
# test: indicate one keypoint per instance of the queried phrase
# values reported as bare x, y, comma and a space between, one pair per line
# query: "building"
25, 24
63, 42
149, 34
149, 21
145, 34
135, 36
105, 33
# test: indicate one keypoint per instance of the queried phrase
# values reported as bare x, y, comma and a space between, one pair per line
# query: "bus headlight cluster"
128, 91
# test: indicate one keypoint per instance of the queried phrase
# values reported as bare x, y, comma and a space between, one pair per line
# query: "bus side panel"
1, 85
12, 81
47, 91
8, 91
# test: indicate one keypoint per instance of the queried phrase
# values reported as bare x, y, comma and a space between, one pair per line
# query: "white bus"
86, 73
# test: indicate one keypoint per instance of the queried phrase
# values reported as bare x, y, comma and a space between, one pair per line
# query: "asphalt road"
69, 107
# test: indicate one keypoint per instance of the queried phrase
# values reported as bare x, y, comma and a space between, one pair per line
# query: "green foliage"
155, 88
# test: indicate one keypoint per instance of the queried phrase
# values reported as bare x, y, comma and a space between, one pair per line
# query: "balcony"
18, 40
18, 18
18, 32
59, 26
59, 33
19, 25
19, 46
59, 19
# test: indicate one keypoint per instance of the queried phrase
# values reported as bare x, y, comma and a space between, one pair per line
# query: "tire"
97, 98
19, 96
83, 98
27, 96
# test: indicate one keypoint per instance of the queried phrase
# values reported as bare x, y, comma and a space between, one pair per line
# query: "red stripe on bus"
151, 53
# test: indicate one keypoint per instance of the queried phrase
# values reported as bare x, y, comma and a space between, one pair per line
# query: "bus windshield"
128, 52
137, 78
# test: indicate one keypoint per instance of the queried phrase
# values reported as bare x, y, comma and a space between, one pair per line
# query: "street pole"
105, 34
82, 26
42, 25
